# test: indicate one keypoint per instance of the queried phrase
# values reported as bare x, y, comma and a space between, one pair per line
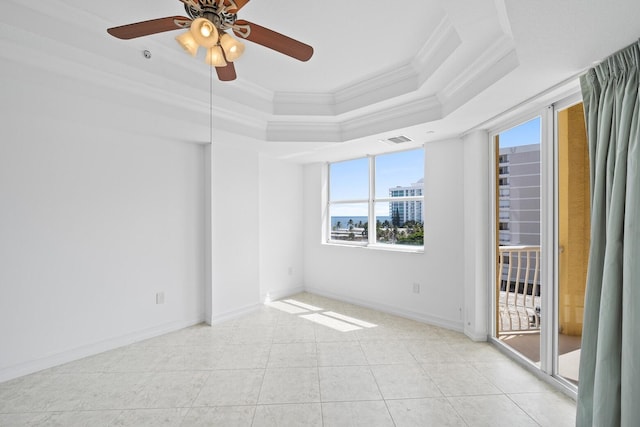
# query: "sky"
350, 179
524, 134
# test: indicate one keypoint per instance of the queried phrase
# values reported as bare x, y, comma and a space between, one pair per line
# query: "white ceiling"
428, 69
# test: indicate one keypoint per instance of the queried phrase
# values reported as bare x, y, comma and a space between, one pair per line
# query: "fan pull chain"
211, 106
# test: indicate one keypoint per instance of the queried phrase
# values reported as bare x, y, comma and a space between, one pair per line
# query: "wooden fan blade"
233, 6
145, 28
228, 73
272, 40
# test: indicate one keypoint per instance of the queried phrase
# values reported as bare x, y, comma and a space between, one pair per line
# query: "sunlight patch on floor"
287, 308
350, 319
330, 322
303, 305
330, 319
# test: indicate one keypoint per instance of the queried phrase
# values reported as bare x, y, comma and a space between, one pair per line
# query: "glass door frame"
558, 107
549, 237
546, 261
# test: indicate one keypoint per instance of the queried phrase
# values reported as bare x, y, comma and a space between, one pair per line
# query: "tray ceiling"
431, 69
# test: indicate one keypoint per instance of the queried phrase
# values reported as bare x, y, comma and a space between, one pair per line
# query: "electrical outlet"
160, 298
416, 288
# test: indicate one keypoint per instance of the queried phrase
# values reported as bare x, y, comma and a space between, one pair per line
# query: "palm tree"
395, 219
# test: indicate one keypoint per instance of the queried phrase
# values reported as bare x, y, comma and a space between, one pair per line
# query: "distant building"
408, 210
519, 195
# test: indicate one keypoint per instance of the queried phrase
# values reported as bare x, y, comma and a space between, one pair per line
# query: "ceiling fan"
207, 27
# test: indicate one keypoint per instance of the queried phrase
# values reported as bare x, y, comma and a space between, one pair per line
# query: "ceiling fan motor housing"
221, 19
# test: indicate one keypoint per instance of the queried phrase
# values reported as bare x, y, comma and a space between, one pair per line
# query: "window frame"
370, 201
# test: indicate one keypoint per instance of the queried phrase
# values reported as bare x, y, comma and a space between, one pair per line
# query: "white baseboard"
420, 317
474, 336
276, 295
32, 366
233, 314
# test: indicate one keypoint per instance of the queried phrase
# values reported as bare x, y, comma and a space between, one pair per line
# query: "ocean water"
344, 220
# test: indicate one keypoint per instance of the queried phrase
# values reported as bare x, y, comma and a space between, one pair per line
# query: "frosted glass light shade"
204, 32
188, 43
215, 57
233, 48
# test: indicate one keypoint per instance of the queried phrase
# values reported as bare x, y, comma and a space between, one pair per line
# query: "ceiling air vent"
398, 139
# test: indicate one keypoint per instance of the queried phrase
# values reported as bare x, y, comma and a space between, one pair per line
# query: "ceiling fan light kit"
208, 20
233, 49
188, 43
215, 57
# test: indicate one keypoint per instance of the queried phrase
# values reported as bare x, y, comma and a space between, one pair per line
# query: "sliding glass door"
542, 238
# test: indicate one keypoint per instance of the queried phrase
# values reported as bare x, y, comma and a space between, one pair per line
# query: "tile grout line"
522, 409
264, 374
376, 381
319, 387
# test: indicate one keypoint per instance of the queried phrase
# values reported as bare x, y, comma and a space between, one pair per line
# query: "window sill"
380, 247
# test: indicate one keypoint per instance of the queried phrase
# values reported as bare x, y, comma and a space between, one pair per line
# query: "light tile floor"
275, 367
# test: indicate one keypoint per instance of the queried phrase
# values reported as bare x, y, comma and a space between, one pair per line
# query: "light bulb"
204, 32
206, 29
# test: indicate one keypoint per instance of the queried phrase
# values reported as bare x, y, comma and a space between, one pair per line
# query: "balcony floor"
528, 344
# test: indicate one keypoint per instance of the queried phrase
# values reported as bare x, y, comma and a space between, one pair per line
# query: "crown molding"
442, 43
396, 81
384, 118
304, 131
405, 114
485, 60
491, 65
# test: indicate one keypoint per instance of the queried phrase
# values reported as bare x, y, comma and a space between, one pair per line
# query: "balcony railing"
519, 291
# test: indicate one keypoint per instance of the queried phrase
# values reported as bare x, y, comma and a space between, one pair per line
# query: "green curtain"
609, 390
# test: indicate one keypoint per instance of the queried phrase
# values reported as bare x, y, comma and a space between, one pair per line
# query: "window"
385, 190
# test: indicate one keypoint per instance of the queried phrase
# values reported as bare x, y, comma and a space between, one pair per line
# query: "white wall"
94, 221
256, 226
92, 226
384, 279
235, 234
281, 228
